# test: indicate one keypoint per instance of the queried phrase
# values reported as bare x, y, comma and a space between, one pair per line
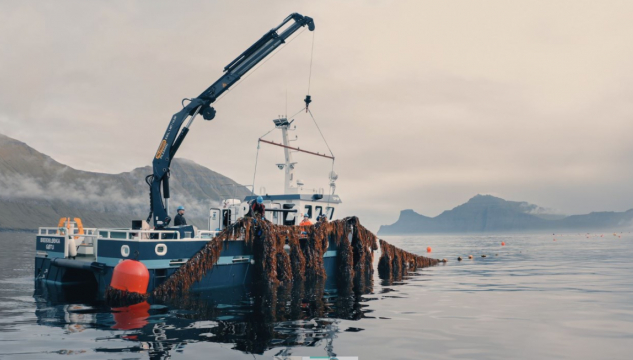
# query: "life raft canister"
131, 276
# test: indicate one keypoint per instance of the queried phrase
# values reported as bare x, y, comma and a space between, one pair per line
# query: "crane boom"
174, 135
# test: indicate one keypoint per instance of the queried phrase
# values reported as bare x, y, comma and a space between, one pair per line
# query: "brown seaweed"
395, 263
283, 255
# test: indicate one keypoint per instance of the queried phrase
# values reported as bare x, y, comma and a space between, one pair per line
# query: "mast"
290, 183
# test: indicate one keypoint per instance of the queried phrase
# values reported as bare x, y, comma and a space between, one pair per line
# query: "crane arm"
174, 135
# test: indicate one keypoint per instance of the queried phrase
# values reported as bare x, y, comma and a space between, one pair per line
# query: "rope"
323, 137
295, 114
311, 56
331, 192
331, 187
259, 66
273, 129
258, 146
255, 171
267, 133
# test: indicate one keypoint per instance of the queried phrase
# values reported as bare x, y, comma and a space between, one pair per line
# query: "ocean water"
534, 298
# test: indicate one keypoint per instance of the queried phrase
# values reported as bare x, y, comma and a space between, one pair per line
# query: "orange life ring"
80, 227
65, 223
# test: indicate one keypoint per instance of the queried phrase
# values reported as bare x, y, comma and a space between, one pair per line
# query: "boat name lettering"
50, 241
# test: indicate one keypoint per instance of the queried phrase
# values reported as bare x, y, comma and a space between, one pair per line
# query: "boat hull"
234, 267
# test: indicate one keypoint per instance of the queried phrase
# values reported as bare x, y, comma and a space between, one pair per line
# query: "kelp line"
286, 254
394, 262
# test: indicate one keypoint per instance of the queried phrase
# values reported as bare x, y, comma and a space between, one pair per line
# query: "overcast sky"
424, 104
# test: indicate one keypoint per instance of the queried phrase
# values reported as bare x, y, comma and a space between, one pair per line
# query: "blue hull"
234, 267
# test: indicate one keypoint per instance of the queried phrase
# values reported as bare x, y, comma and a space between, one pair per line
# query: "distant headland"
487, 214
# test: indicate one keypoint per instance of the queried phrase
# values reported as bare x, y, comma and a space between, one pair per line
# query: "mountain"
486, 213
36, 190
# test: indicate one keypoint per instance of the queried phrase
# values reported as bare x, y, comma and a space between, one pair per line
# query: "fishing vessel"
72, 254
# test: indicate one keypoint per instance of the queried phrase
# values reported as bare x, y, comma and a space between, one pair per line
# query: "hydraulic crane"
174, 135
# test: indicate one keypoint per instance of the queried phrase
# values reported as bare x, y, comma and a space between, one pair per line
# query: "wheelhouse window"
289, 217
226, 217
330, 212
275, 215
308, 211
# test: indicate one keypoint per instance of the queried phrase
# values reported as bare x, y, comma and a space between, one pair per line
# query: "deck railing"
64, 231
86, 239
129, 234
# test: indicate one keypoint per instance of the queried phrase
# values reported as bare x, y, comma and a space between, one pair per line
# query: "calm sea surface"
534, 298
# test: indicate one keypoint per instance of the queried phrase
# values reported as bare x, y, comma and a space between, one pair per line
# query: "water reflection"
254, 320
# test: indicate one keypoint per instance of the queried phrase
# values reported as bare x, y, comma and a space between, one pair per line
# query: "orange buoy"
470, 256
131, 276
428, 249
503, 243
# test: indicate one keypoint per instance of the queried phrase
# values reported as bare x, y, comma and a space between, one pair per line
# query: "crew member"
305, 221
180, 218
258, 208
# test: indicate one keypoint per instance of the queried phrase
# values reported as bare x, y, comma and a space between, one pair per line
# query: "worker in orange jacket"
305, 221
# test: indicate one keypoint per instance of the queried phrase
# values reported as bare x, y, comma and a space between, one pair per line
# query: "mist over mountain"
486, 213
36, 190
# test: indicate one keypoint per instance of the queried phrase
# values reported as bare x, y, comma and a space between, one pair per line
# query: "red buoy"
503, 243
428, 249
131, 276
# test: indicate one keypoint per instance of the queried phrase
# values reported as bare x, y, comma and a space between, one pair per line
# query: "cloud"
424, 104
95, 195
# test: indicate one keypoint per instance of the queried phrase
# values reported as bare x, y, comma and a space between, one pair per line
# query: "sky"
424, 103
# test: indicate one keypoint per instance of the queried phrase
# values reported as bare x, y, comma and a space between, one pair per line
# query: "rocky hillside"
485, 213
36, 190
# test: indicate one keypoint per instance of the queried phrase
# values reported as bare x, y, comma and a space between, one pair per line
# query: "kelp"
283, 255
117, 298
394, 262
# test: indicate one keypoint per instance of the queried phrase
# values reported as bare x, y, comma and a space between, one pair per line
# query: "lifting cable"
308, 100
257, 155
318, 128
255, 172
331, 153
259, 66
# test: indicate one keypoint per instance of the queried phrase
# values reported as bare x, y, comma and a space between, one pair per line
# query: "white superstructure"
287, 208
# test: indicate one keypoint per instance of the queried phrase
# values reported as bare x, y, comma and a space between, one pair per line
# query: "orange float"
428, 249
503, 243
131, 276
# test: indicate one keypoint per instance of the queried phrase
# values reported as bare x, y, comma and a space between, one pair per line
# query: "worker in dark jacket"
258, 208
180, 218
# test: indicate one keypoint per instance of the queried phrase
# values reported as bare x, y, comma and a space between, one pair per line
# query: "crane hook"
307, 100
